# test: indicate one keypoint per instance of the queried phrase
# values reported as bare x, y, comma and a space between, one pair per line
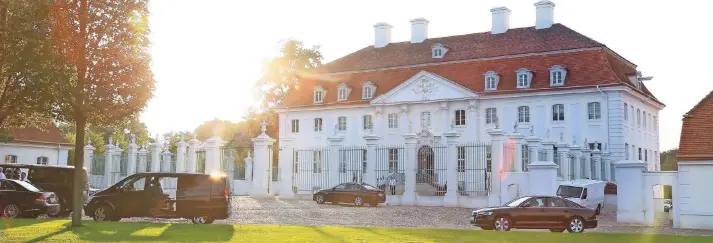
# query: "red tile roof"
49, 134
697, 133
588, 64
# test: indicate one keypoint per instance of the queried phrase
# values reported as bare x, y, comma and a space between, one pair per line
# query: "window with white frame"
640, 157
343, 92
655, 122
425, 119
626, 151
558, 112
633, 118
367, 92
10, 159
317, 124
594, 110
633, 151
646, 155
460, 118
317, 162
524, 76
393, 160
638, 117
643, 114
491, 80
557, 75
491, 115
367, 122
650, 121
438, 50
461, 159
523, 114
626, 112
42, 160
295, 126
319, 94
342, 123
393, 120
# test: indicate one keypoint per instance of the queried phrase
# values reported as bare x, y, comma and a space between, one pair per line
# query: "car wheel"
103, 213
599, 209
557, 230
320, 199
576, 225
502, 224
202, 220
11, 211
358, 201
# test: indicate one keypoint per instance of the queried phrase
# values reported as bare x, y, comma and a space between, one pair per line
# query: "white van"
588, 193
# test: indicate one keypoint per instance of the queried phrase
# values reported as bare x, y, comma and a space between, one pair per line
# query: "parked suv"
199, 197
51, 178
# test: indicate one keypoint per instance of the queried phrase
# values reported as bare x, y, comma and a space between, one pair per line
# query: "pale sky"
208, 54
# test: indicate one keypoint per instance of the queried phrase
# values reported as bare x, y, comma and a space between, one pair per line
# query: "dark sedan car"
21, 199
350, 192
536, 212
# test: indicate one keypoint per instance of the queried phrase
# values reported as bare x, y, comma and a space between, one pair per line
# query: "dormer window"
367, 91
343, 92
438, 50
524, 76
557, 75
491, 80
319, 94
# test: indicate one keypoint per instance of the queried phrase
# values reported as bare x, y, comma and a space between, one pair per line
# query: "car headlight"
487, 213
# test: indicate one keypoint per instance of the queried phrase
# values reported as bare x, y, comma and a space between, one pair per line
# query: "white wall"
646, 138
694, 194
28, 153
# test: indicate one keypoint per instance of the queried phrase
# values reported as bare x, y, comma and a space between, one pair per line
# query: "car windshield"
569, 191
28, 186
517, 202
370, 187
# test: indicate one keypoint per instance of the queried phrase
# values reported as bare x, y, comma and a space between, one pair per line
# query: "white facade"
32, 153
694, 195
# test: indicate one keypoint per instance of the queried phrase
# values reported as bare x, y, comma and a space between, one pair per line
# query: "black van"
199, 197
50, 178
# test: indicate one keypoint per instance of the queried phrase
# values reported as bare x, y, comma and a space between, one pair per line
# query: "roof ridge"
708, 96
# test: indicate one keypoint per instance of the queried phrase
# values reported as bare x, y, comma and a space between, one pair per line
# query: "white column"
518, 141
577, 164
156, 156
371, 142
285, 164
597, 157
191, 155
588, 173
166, 161
451, 198
108, 163
88, 156
549, 147
404, 124
334, 162
563, 153
181, 155
379, 121
132, 152
631, 209
445, 124
143, 158
249, 169
261, 163
409, 197
212, 153
533, 146
496, 135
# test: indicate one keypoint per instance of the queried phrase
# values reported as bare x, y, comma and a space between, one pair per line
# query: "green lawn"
57, 231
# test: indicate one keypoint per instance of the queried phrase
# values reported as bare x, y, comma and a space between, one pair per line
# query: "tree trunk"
79, 173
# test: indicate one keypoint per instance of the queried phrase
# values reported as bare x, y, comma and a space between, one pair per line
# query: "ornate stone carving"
425, 88
425, 137
472, 105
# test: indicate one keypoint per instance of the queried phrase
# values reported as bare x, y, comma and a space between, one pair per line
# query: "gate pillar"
88, 156
191, 155
285, 165
451, 197
156, 156
212, 153
181, 155
630, 192
371, 142
410, 168
133, 150
334, 161
496, 135
261, 164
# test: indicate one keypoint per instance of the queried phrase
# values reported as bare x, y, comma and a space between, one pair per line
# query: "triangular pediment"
425, 86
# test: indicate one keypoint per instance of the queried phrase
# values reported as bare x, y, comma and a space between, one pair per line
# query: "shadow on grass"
16, 223
144, 232
319, 230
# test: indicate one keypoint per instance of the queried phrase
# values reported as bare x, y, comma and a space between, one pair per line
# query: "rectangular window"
393, 120
632, 115
366, 92
368, 125
460, 118
644, 120
461, 159
640, 157
42, 160
342, 123
646, 155
342, 93
317, 162
651, 121
317, 124
558, 112
557, 78
318, 96
626, 149
522, 81
426, 119
10, 159
490, 82
295, 126
656, 124
626, 112
393, 160
594, 110
638, 117
491, 115
523, 114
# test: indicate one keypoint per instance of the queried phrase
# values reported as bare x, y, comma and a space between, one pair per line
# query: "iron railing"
473, 164
432, 170
352, 164
311, 170
390, 169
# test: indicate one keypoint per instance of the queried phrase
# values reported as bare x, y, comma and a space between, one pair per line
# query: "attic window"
557, 75
319, 94
438, 51
491, 80
343, 92
524, 77
367, 91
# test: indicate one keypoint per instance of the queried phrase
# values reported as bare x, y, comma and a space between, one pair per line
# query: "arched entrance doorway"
426, 168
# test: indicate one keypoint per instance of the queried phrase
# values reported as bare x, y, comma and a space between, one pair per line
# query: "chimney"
545, 16
419, 30
501, 20
382, 35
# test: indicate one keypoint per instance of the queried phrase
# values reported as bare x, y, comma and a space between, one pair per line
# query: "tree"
282, 73
171, 139
26, 60
107, 75
100, 134
668, 160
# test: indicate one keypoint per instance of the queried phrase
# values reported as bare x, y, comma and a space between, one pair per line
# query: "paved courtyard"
247, 210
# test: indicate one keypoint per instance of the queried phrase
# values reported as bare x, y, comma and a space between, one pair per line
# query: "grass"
21, 230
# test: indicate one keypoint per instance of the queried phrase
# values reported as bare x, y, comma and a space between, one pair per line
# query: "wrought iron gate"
431, 175
390, 169
311, 170
473, 169
352, 164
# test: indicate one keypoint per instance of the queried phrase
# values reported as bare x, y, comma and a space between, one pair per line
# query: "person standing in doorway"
392, 185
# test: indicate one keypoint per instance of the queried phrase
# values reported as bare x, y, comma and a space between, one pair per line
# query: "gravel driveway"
247, 210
